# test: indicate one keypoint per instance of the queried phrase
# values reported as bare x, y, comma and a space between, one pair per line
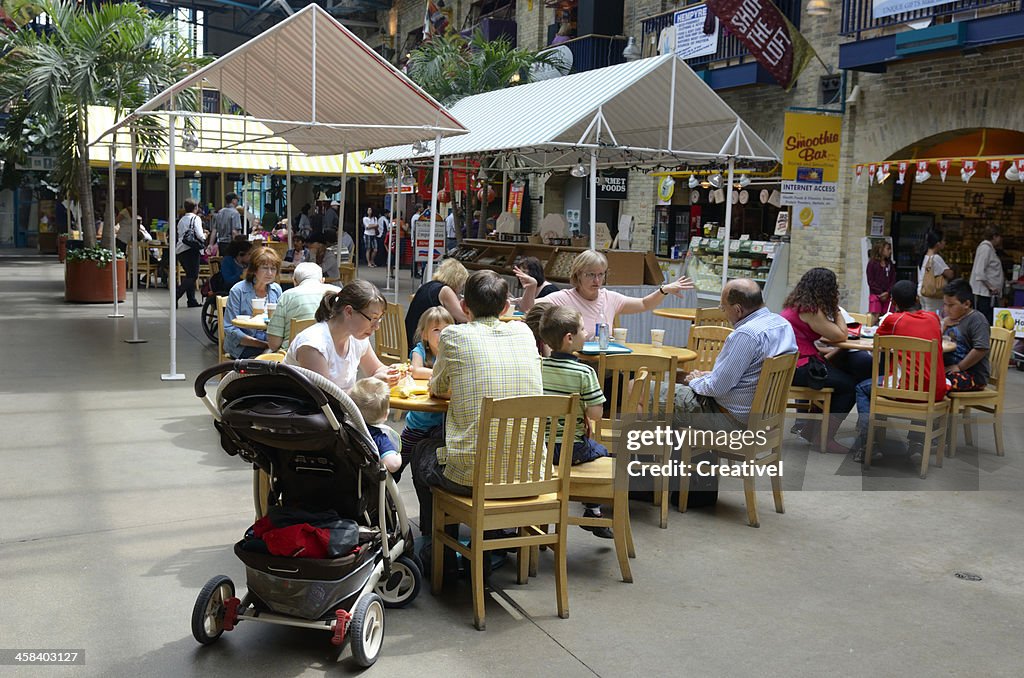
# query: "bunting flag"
435, 19
871, 174
858, 169
767, 33
943, 169
883, 174
994, 166
923, 174
968, 170
903, 172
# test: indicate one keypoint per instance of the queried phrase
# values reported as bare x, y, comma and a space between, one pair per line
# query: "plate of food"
868, 332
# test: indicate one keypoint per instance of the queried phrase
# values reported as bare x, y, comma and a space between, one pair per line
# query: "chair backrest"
296, 326
768, 410
1000, 349
222, 303
215, 265
905, 363
281, 248
623, 368
707, 342
711, 316
346, 273
392, 344
862, 318
516, 447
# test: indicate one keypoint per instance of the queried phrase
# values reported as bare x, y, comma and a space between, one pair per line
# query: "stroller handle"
260, 367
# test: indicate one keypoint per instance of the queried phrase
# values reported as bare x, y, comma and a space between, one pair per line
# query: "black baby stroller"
309, 439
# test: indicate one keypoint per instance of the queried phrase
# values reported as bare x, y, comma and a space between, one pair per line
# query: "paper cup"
657, 338
619, 334
259, 306
271, 307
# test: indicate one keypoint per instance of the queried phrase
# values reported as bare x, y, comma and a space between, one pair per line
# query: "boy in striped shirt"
561, 328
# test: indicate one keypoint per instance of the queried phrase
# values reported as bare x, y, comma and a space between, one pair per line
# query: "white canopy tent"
652, 112
307, 86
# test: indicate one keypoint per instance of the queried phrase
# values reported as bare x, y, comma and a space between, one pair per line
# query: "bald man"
757, 334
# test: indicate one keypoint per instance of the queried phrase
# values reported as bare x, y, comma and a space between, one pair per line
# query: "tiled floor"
118, 504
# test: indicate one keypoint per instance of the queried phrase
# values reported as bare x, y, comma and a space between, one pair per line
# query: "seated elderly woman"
258, 283
338, 346
588, 273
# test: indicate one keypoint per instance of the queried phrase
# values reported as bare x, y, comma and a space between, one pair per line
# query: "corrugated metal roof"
634, 99
272, 78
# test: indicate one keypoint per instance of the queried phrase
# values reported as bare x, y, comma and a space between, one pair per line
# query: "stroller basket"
309, 588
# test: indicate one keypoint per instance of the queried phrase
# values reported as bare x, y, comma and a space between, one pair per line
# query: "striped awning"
624, 111
310, 86
214, 134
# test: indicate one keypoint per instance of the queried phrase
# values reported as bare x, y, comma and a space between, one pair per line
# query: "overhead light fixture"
744, 181
818, 8
632, 52
668, 182
197, 174
420, 147
854, 96
482, 174
580, 170
715, 180
519, 181
274, 168
704, 183
693, 182
189, 141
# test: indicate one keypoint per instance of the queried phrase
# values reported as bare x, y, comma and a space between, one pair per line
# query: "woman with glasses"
258, 283
338, 347
588, 274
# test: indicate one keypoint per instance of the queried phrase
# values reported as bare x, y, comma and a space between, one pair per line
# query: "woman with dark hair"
812, 308
338, 346
535, 270
933, 264
881, 277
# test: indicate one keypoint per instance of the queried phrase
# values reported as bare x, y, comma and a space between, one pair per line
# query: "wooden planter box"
87, 282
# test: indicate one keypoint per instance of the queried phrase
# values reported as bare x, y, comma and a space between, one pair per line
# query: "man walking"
227, 222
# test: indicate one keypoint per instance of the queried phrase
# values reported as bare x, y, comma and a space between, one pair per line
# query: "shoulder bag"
190, 238
931, 284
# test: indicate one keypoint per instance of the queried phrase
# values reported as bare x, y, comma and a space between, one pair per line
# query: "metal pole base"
136, 341
115, 315
172, 377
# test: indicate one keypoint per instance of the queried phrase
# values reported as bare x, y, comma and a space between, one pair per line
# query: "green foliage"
100, 255
449, 67
111, 54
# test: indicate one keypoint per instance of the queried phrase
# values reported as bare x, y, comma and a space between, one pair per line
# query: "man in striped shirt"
757, 334
482, 358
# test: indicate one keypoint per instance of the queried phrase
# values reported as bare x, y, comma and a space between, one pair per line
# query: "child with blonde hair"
373, 398
421, 425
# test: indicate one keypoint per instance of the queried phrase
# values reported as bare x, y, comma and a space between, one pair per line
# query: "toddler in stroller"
328, 495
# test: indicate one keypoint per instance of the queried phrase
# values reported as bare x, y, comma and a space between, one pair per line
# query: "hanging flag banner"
871, 174
994, 166
943, 169
968, 170
922, 174
810, 159
691, 40
903, 173
859, 169
1020, 165
515, 199
884, 174
767, 33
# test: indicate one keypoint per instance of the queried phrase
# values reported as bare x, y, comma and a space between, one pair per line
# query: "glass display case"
766, 262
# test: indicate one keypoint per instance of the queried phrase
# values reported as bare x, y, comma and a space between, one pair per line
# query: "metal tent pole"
172, 266
111, 229
135, 247
728, 222
288, 195
341, 212
593, 199
429, 275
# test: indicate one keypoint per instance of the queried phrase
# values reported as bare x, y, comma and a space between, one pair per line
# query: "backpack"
931, 285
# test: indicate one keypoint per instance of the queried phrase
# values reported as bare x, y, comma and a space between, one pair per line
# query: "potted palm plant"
111, 54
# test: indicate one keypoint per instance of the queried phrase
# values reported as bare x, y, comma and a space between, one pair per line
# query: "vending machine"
671, 230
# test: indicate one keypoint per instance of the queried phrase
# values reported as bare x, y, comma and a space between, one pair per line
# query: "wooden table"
511, 318
868, 344
419, 403
682, 354
676, 313
249, 322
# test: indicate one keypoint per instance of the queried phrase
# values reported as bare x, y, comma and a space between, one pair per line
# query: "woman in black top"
535, 269
444, 290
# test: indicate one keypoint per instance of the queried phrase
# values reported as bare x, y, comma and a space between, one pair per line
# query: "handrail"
857, 14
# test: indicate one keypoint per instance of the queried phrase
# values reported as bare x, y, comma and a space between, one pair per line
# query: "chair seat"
886, 406
600, 470
988, 393
543, 501
801, 392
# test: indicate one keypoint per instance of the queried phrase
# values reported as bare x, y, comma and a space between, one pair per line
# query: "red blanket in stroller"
301, 534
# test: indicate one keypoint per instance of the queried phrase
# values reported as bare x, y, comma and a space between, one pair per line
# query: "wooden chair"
990, 400
813, 404
620, 370
710, 316
594, 482
281, 248
215, 265
296, 326
707, 342
146, 267
392, 344
904, 394
863, 318
514, 487
767, 416
346, 273
222, 303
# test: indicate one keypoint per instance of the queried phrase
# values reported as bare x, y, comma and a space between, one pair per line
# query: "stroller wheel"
208, 316
402, 587
367, 630
208, 613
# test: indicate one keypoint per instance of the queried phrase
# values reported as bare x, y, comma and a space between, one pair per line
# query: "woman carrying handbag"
191, 241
